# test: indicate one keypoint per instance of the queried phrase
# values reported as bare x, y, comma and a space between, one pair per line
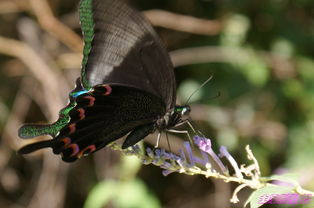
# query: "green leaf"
101, 194
129, 167
235, 30
288, 178
135, 194
255, 69
123, 194
255, 198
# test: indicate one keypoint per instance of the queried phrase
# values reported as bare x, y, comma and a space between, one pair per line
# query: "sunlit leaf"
256, 199
123, 194
101, 194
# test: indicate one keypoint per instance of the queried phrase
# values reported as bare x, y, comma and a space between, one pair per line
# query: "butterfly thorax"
172, 117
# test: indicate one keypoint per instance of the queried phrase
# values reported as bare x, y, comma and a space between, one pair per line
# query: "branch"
183, 23
247, 176
208, 54
12, 6
41, 71
54, 27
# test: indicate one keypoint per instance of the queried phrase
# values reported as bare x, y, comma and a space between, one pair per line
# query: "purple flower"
224, 153
205, 145
167, 172
149, 152
168, 161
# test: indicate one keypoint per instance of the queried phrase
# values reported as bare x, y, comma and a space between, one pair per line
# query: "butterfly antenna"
202, 85
210, 98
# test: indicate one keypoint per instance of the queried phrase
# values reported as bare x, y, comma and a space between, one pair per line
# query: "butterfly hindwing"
138, 134
101, 116
28, 131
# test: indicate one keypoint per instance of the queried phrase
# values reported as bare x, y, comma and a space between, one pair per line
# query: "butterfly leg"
187, 121
181, 132
158, 140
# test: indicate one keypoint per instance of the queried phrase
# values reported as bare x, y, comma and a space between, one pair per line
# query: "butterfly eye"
186, 110
183, 110
87, 150
103, 89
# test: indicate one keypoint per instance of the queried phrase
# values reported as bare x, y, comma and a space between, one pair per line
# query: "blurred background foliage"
258, 52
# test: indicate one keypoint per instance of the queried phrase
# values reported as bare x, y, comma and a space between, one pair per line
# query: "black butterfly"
127, 85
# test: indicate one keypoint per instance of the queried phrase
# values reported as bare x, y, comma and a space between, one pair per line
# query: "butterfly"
127, 86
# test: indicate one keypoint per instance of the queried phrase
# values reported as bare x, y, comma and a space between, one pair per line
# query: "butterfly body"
127, 86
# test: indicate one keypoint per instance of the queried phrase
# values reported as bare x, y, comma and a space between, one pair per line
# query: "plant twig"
183, 23
52, 25
174, 163
41, 71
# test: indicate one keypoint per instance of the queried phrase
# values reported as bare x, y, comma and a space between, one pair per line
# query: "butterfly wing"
101, 116
33, 130
121, 47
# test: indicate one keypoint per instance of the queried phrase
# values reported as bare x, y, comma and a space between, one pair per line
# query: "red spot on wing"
72, 128
108, 89
81, 112
75, 149
91, 100
90, 149
103, 89
66, 141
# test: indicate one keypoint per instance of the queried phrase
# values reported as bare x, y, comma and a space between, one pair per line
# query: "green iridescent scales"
87, 25
33, 130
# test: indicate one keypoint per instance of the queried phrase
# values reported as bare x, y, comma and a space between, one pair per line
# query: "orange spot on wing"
91, 100
66, 141
103, 89
72, 128
81, 113
108, 89
75, 149
91, 149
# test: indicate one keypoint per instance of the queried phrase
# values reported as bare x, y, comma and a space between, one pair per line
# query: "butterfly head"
183, 110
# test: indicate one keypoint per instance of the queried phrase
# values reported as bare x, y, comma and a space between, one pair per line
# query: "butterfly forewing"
126, 50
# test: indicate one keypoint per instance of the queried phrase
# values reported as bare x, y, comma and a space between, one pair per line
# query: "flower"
224, 153
204, 144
